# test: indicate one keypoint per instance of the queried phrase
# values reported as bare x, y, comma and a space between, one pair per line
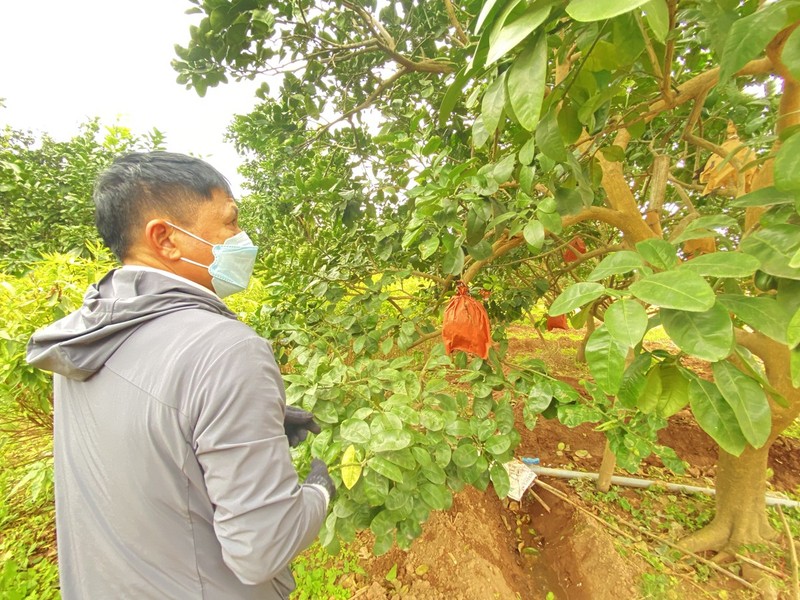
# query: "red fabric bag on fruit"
575, 243
559, 322
466, 325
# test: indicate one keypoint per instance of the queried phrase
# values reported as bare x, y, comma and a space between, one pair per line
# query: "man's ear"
158, 235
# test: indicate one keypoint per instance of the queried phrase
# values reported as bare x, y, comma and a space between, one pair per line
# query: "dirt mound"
484, 548
467, 553
579, 554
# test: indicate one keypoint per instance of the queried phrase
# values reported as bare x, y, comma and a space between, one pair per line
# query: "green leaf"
707, 335
452, 96
657, 15
479, 133
568, 123
506, 35
674, 392
748, 401
500, 480
539, 398
487, 8
480, 251
722, 264
434, 473
428, 247
598, 10
633, 380
526, 153
355, 431
497, 444
454, 261
681, 290
526, 83
793, 330
457, 428
435, 496
749, 36
790, 56
766, 196
385, 468
432, 420
390, 439
606, 359
534, 234
651, 392
476, 226
794, 262
465, 455
787, 164
493, 101
708, 226
659, 253
715, 416
617, 263
576, 296
548, 138
626, 321
775, 246
763, 314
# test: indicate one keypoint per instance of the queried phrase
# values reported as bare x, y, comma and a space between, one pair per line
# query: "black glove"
318, 475
297, 423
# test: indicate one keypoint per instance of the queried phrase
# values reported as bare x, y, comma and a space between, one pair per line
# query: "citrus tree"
46, 188
415, 144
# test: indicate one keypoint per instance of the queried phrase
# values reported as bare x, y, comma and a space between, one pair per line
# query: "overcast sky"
63, 62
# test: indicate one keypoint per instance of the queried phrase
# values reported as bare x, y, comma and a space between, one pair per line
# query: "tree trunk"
741, 516
606, 469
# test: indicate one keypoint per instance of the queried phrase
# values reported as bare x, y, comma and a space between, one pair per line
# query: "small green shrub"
317, 573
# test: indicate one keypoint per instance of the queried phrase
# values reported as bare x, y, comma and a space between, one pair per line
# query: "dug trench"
485, 548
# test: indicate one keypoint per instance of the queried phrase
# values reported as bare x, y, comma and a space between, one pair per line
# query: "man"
173, 472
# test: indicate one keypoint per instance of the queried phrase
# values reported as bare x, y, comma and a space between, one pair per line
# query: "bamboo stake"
793, 555
761, 566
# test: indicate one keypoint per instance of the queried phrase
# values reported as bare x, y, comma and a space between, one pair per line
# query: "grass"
320, 575
672, 516
28, 567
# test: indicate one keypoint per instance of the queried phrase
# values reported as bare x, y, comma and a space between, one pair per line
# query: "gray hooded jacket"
173, 473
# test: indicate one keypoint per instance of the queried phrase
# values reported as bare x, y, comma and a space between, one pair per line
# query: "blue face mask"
233, 262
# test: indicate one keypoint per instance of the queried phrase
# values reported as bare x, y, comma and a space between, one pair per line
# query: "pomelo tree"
410, 145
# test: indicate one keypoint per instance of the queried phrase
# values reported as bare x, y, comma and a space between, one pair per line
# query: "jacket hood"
78, 345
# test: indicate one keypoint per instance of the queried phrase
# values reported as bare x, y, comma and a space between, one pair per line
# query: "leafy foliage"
415, 144
51, 289
46, 189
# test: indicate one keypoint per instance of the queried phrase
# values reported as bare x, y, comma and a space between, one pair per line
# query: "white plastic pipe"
646, 483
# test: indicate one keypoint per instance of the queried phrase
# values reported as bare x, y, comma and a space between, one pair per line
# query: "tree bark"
606, 469
741, 516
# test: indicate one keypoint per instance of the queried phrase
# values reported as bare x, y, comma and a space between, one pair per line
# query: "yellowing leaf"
351, 468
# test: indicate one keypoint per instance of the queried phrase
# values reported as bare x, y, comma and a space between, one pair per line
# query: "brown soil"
484, 548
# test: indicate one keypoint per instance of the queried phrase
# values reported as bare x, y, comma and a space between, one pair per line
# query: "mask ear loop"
190, 234
198, 238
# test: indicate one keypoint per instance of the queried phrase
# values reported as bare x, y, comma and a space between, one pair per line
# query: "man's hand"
297, 424
318, 475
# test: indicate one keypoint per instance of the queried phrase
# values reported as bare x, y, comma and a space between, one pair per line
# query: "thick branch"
775, 357
658, 191
451, 12
636, 228
500, 248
